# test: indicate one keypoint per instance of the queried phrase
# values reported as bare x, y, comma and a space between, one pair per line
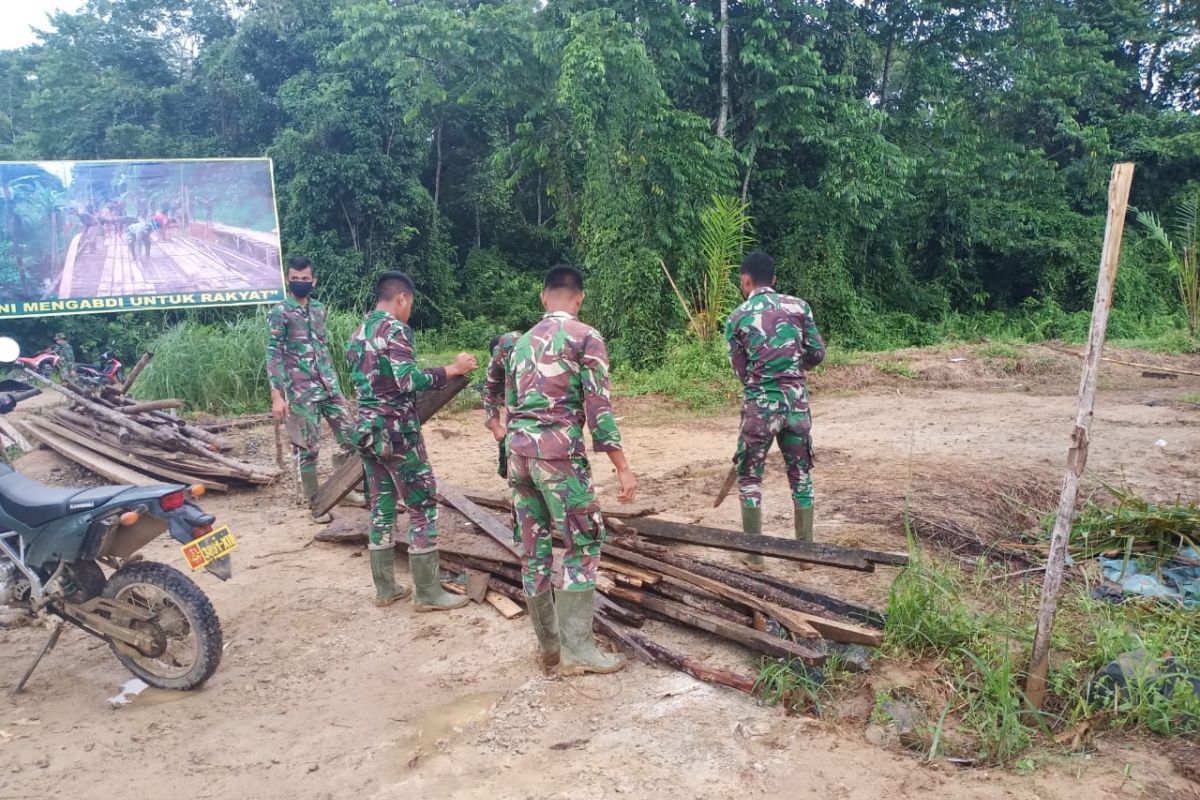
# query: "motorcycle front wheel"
45, 369
183, 614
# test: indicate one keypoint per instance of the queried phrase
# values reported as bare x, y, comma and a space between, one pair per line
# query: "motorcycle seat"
35, 504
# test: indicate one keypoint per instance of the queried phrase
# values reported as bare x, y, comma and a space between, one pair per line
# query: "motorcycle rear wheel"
184, 615
45, 369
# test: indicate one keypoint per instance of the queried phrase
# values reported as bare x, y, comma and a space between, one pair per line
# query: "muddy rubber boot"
752, 524
803, 521
544, 617
383, 572
308, 481
579, 652
430, 594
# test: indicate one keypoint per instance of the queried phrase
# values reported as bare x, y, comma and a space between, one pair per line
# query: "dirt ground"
321, 695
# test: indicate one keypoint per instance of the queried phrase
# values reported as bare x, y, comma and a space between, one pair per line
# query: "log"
136, 371
678, 593
789, 618
15, 436
630, 571
137, 462
849, 609
1077, 453
105, 468
777, 546
755, 640
619, 633
348, 476
720, 677
482, 518
233, 424
151, 405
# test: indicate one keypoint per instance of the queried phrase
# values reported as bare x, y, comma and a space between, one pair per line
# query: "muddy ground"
321, 695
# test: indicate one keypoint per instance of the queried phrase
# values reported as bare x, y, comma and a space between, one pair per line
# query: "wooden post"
1118, 200
137, 370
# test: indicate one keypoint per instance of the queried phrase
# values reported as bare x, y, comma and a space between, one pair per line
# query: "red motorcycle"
109, 371
43, 363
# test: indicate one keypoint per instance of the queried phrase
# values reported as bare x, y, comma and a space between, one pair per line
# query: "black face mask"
300, 289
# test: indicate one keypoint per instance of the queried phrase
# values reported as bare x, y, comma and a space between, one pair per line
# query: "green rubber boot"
803, 521
752, 524
383, 572
430, 594
579, 652
308, 481
545, 624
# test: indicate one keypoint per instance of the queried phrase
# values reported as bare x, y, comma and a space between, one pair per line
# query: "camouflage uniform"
493, 389
66, 361
300, 368
772, 341
557, 378
388, 434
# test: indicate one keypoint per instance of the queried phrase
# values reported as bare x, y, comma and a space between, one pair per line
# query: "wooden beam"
136, 371
349, 475
777, 546
502, 501
847, 608
482, 518
151, 405
15, 436
1077, 453
755, 640
504, 605
88, 459
789, 618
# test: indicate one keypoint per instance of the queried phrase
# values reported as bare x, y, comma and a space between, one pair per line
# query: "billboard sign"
82, 237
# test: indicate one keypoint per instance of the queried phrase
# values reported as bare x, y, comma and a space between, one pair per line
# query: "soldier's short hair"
391, 283
300, 264
760, 267
563, 276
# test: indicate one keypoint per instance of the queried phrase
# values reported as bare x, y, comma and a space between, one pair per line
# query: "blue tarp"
1174, 580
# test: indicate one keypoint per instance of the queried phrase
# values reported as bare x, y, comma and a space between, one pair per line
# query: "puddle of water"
136, 691
443, 722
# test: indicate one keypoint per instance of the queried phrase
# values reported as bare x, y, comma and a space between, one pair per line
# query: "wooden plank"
502, 501
151, 405
847, 608
88, 459
755, 640
477, 585
1077, 453
347, 478
777, 546
789, 618
505, 606
628, 570
109, 451
15, 436
482, 518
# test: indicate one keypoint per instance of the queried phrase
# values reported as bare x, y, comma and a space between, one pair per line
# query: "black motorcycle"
55, 545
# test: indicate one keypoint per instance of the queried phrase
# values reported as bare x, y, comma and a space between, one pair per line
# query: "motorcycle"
110, 371
55, 545
43, 363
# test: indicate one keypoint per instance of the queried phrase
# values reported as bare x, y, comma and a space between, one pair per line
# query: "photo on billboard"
79, 237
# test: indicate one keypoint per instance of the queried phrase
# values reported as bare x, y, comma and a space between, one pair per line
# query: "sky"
19, 15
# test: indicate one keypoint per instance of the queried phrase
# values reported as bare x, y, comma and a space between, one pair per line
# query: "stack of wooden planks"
640, 579
125, 441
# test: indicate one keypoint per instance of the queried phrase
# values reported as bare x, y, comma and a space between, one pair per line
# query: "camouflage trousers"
792, 429
304, 428
550, 495
405, 473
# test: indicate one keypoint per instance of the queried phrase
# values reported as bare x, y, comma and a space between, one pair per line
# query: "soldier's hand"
628, 486
463, 365
496, 427
278, 407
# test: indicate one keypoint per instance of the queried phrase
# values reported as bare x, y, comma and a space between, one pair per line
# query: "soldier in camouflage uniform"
772, 341
388, 435
304, 385
66, 357
556, 378
501, 348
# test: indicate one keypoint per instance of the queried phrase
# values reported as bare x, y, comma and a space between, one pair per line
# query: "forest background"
920, 170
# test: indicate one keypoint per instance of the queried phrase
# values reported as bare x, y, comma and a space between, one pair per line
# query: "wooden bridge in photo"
208, 257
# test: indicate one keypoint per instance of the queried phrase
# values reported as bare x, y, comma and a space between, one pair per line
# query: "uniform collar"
761, 290
292, 302
558, 315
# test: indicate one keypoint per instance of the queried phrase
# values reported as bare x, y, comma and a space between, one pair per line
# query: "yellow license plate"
209, 548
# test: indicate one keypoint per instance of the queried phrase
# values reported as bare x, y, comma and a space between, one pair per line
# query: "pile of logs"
640, 579
122, 440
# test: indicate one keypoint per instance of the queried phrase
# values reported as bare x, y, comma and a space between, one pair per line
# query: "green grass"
1193, 399
696, 374
897, 369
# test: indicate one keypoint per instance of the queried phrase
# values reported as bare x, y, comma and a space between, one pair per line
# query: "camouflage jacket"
383, 366
772, 341
66, 356
493, 384
298, 362
557, 379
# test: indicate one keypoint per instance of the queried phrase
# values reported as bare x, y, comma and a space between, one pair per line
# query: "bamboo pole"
1118, 200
